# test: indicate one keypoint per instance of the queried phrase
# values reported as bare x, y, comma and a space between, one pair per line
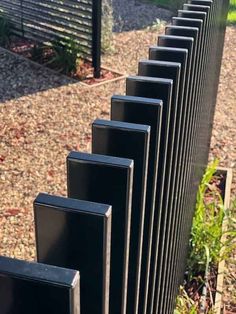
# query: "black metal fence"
50, 20
146, 163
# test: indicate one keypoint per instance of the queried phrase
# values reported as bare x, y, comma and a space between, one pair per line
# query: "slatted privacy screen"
50, 20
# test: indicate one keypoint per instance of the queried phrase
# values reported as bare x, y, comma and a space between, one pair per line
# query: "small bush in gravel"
156, 26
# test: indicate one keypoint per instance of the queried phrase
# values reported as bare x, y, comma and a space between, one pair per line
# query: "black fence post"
106, 179
128, 140
29, 288
144, 111
77, 234
159, 88
96, 37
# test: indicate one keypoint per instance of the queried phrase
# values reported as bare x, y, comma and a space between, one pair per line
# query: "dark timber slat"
183, 43
159, 88
169, 70
121, 139
27, 288
174, 55
76, 234
105, 179
145, 111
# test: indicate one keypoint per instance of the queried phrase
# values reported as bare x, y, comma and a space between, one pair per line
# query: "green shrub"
232, 12
66, 56
37, 51
184, 304
207, 225
208, 243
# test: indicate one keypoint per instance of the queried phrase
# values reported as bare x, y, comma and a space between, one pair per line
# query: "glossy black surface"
106, 179
192, 33
31, 288
179, 55
179, 42
201, 60
76, 234
201, 147
121, 139
159, 88
171, 70
186, 43
176, 55
145, 111
198, 23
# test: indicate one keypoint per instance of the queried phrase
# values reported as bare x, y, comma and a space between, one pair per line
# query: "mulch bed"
43, 55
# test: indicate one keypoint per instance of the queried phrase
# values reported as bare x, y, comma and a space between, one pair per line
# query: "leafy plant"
232, 12
184, 304
207, 225
66, 56
37, 51
208, 244
155, 26
5, 31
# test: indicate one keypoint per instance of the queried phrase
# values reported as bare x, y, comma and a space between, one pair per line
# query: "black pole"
97, 29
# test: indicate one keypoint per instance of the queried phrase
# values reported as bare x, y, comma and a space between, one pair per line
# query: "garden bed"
58, 60
226, 188
223, 180
205, 277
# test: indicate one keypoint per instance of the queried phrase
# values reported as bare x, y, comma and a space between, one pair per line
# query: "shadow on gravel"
136, 14
20, 77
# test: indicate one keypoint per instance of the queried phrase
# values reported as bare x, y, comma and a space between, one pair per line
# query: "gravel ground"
20, 77
44, 116
125, 60
134, 14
